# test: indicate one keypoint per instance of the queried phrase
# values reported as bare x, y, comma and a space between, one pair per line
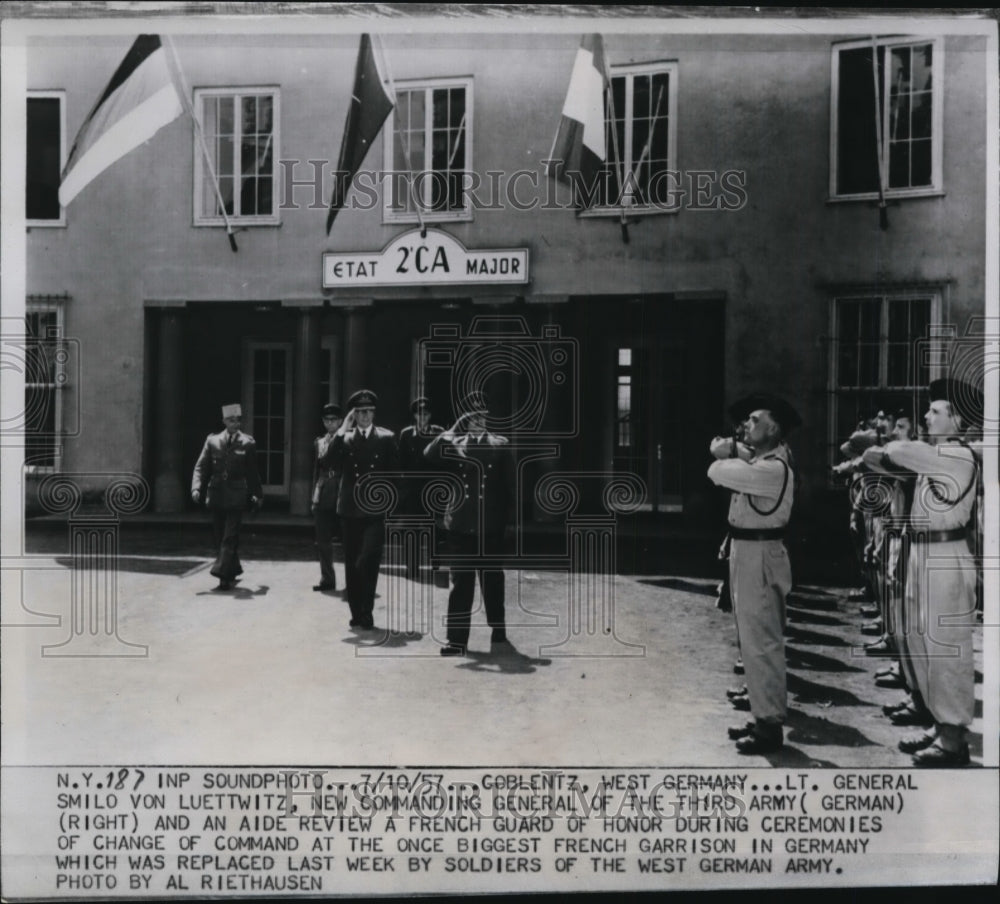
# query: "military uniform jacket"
227, 473
763, 489
412, 445
326, 478
486, 470
354, 457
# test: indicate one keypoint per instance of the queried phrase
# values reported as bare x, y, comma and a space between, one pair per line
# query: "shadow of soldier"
503, 660
237, 593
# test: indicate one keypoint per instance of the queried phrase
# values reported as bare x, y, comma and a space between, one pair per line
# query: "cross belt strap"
936, 536
774, 533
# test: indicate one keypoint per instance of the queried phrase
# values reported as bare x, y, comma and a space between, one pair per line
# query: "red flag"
140, 99
579, 151
371, 102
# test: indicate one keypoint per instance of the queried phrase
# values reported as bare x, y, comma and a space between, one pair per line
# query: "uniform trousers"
226, 533
941, 596
363, 540
326, 527
760, 577
463, 587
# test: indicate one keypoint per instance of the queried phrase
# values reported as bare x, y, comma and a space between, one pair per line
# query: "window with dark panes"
885, 117
881, 357
44, 157
240, 134
44, 381
429, 151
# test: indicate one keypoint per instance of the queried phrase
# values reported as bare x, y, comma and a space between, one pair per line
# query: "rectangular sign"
438, 259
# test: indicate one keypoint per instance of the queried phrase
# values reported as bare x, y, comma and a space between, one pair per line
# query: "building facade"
749, 251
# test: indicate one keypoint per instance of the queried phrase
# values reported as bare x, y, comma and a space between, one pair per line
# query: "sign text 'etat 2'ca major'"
433, 260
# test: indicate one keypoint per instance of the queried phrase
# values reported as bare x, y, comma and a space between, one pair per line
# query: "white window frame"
937, 119
629, 72
463, 215
60, 95
201, 172
836, 390
57, 388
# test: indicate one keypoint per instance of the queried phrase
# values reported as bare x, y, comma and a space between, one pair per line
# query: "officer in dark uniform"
227, 466
326, 485
413, 441
476, 523
359, 448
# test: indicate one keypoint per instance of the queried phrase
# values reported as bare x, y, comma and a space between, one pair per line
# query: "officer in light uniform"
359, 448
326, 486
941, 573
226, 474
763, 483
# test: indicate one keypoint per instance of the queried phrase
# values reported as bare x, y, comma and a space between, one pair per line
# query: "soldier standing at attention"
359, 448
763, 482
227, 467
326, 485
413, 440
940, 592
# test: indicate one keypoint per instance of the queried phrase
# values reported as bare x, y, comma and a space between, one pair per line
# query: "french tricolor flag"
579, 150
140, 99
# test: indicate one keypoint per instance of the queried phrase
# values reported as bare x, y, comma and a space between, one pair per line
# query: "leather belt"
936, 536
774, 533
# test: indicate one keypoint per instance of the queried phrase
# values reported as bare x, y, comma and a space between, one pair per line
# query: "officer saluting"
941, 574
326, 486
761, 477
228, 467
359, 448
413, 441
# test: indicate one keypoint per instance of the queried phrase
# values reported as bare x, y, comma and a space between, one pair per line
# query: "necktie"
229, 441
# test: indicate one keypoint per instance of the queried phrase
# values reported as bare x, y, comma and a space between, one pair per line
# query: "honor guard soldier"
226, 474
761, 477
326, 485
359, 448
940, 593
477, 522
413, 441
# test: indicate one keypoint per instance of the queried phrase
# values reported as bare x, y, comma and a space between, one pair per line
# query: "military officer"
359, 448
326, 484
761, 477
477, 522
413, 441
941, 573
226, 473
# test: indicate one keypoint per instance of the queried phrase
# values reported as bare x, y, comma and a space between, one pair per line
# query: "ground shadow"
142, 565
806, 691
509, 662
703, 589
791, 757
816, 662
812, 730
813, 638
381, 639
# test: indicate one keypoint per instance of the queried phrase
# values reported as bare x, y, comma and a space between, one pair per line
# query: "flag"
579, 151
140, 99
371, 102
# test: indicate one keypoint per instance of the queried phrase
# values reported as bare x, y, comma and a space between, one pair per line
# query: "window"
240, 131
46, 150
45, 372
428, 151
886, 117
640, 139
881, 357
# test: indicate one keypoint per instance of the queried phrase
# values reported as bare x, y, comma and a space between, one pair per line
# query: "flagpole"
649, 138
405, 144
619, 165
883, 215
201, 140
